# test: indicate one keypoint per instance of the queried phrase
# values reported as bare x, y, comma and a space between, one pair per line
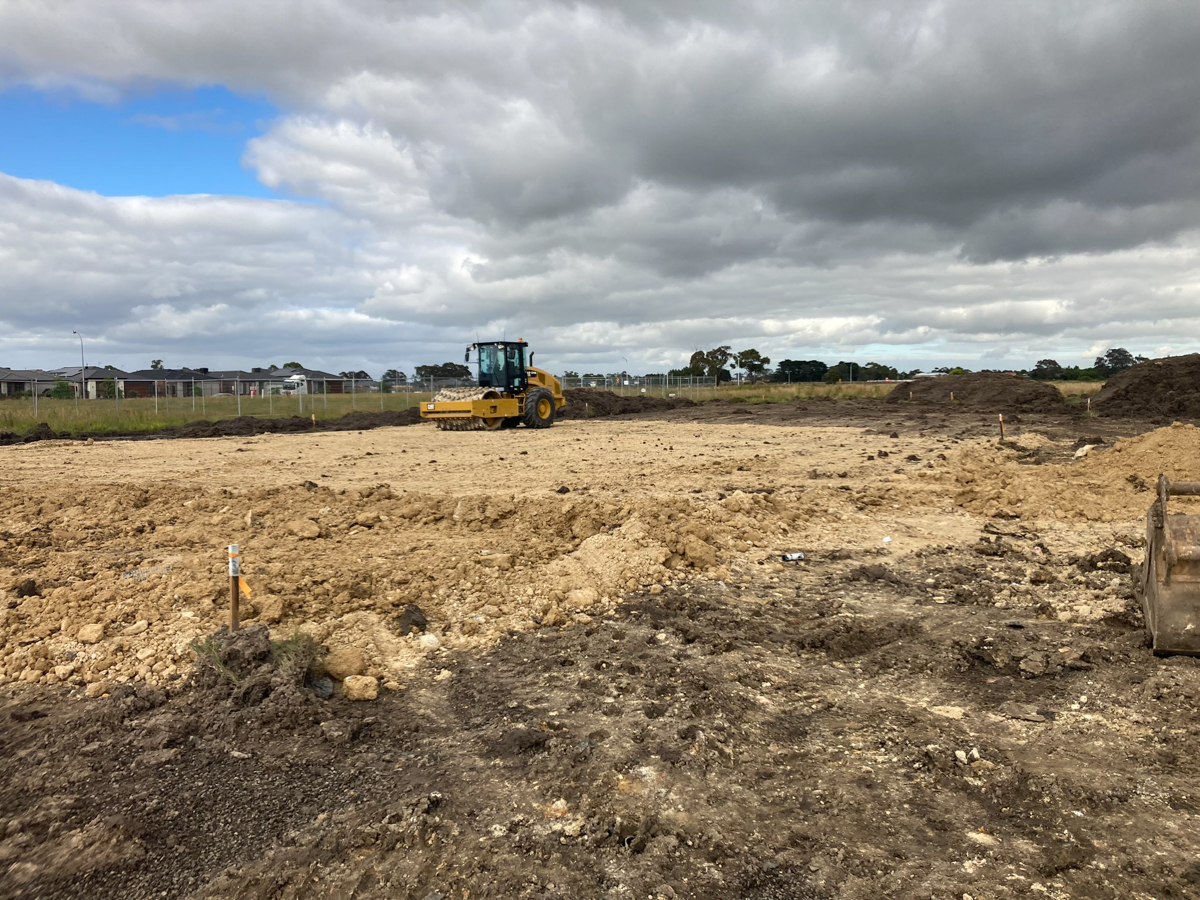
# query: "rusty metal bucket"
1168, 582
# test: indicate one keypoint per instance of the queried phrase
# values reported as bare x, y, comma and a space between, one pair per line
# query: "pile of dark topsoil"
983, 391
240, 426
589, 403
1167, 388
712, 742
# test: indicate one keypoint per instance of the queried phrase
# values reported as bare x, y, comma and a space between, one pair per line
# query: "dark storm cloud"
800, 175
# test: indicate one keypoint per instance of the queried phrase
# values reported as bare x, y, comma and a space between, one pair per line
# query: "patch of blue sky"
147, 144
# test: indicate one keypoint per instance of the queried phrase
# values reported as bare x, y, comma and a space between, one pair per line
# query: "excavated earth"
239, 426
984, 391
1160, 387
593, 672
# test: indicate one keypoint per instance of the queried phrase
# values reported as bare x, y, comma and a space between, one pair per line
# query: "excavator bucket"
1168, 582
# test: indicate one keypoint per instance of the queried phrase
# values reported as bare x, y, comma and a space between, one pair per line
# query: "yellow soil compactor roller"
510, 392
1168, 582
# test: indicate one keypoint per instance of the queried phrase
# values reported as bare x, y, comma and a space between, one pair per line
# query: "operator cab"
501, 365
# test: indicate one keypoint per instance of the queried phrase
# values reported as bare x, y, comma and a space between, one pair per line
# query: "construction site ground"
622, 688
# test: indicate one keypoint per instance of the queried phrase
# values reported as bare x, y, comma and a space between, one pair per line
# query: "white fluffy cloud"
935, 181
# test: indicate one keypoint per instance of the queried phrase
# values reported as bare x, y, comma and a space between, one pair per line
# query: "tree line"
723, 364
1109, 363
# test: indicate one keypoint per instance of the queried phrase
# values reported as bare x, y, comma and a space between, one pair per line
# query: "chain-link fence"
651, 385
131, 406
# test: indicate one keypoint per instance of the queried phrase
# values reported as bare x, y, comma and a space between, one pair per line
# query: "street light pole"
82, 368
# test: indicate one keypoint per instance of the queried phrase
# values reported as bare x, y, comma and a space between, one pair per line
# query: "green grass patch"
98, 418
295, 654
209, 653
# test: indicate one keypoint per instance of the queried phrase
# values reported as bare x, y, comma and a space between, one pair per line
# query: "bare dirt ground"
621, 689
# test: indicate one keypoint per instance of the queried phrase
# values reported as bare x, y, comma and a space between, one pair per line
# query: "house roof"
26, 375
168, 375
307, 373
233, 374
89, 374
238, 375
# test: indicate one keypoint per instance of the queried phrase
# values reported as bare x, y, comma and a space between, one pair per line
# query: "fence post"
193, 395
237, 389
156, 398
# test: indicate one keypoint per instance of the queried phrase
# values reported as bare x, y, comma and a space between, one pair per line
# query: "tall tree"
156, 364
708, 364
1114, 360
1046, 370
844, 371
801, 370
752, 363
874, 371
445, 370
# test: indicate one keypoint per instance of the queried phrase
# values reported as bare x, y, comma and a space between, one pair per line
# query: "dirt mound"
246, 677
1174, 450
363, 421
245, 426
1105, 485
1160, 388
39, 432
590, 403
982, 391
239, 426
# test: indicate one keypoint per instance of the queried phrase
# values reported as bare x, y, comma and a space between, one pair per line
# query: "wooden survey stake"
235, 574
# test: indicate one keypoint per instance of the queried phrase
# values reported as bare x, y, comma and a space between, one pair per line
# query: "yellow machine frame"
530, 395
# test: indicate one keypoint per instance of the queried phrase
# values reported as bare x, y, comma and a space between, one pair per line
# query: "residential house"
98, 383
169, 383
15, 382
317, 382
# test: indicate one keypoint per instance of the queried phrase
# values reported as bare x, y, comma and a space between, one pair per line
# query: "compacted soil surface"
589, 662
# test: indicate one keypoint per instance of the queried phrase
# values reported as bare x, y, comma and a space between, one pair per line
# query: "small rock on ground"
361, 687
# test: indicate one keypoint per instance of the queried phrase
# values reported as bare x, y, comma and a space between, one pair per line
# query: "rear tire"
539, 409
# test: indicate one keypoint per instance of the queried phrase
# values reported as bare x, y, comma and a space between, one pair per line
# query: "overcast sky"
369, 184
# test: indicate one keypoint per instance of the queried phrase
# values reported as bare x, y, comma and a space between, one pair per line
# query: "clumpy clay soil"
982, 391
575, 663
1163, 388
